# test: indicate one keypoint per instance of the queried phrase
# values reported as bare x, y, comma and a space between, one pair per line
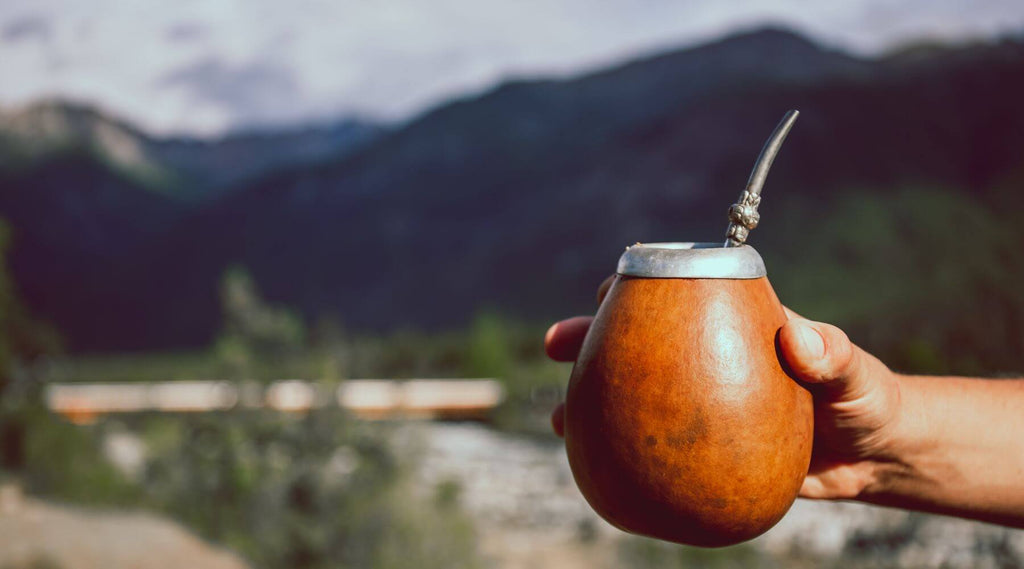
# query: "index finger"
563, 340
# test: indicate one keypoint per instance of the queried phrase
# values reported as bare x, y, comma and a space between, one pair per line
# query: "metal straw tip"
743, 216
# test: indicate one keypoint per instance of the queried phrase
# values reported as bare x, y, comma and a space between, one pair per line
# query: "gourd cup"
680, 422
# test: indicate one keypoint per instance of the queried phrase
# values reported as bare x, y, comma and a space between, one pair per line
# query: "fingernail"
810, 340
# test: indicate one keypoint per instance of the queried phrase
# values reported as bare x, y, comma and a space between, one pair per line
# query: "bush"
306, 491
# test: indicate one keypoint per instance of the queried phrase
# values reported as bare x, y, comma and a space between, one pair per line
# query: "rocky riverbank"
522, 496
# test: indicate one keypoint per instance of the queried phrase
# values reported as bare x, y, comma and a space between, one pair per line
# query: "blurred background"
275, 275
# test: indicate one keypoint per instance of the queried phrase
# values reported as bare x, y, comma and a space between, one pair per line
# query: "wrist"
906, 445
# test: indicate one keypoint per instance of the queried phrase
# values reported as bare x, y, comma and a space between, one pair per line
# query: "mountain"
230, 161
521, 199
88, 196
36, 133
74, 221
182, 168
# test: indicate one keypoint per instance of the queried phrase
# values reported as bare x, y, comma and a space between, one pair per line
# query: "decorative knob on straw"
743, 216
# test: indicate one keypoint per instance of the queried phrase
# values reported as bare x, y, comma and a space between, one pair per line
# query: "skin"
946, 445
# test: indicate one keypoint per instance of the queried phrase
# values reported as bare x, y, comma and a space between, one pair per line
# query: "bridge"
365, 398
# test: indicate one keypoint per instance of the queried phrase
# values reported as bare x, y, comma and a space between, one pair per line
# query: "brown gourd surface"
681, 423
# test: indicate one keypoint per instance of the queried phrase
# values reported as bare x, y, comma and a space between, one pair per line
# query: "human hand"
857, 402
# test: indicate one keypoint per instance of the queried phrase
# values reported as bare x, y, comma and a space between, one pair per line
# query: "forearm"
957, 449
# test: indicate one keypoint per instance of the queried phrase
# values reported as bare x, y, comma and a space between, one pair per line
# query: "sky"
206, 67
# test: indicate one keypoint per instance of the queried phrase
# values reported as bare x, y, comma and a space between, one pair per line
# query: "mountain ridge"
187, 168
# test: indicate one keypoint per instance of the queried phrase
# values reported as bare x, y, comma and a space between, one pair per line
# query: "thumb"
818, 353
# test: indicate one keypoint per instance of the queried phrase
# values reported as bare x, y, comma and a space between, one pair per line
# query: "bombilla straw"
743, 216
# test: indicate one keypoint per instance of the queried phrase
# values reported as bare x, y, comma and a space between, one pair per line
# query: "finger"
563, 339
558, 420
813, 488
602, 291
836, 480
820, 353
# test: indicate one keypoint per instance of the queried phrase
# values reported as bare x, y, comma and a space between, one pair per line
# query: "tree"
22, 340
254, 331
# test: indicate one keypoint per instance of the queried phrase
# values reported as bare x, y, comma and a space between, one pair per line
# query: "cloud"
206, 66
254, 93
185, 32
26, 28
